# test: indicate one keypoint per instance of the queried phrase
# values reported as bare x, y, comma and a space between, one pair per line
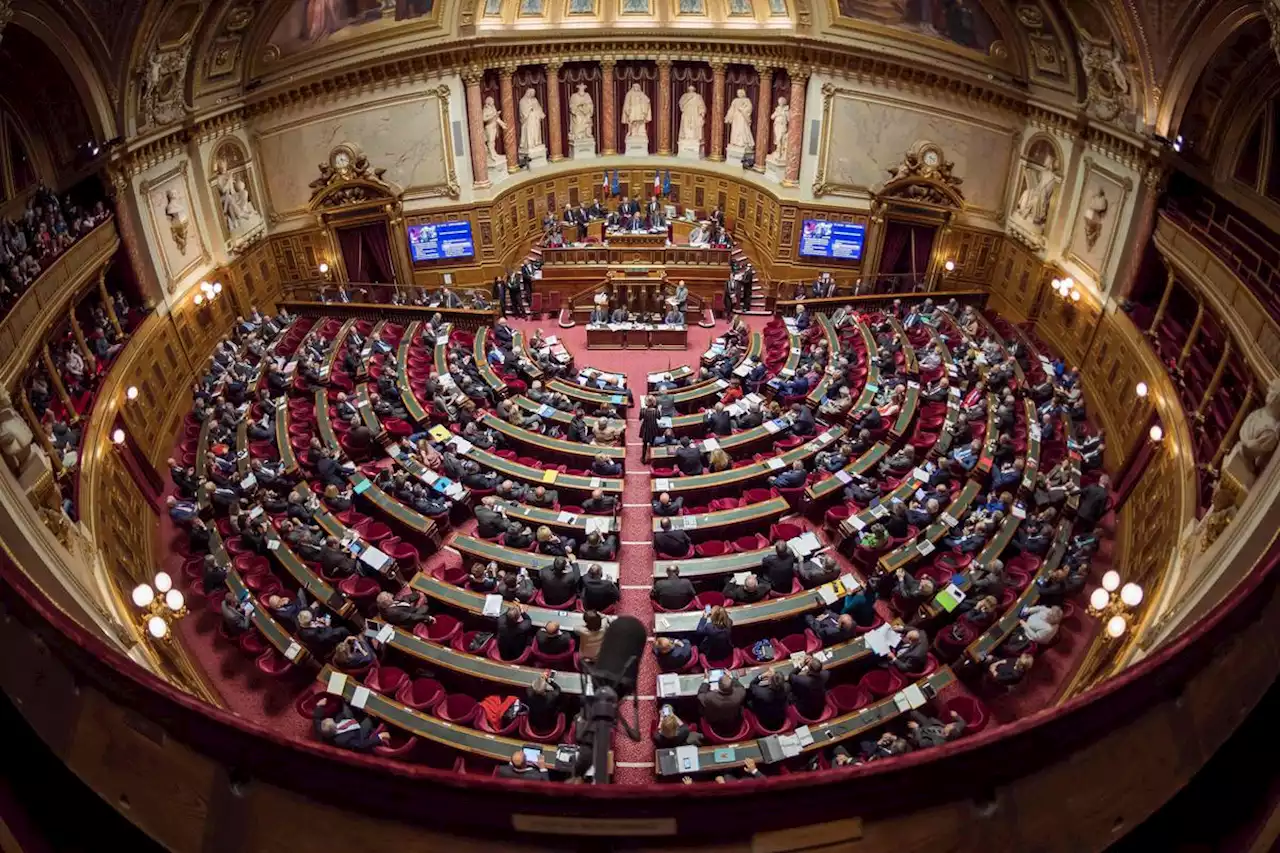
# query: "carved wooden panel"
298, 255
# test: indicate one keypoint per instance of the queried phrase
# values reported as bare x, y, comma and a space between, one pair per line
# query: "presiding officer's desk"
637, 336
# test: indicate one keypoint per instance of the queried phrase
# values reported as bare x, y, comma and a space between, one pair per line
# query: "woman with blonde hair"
673, 731
718, 460
712, 635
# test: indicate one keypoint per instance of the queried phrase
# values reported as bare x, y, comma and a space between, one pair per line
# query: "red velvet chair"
784, 530
734, 661
273, 664
252, 644
386, 680
746, 544
970, 709
806, 642
306, 704
882, 682
462, 643
835, 515
714, 548
562, 661
360, 589
506, 730
758, 729
442, 630
848, 697
460, 709
712, 736
492, 653
421, 694
798, 719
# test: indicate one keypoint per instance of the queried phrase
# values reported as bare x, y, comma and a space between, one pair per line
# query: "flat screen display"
841, 241
441, 241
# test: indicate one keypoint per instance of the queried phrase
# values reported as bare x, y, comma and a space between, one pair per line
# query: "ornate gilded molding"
6, 15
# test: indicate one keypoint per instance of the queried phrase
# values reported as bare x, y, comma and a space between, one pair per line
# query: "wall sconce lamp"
1141, 390
1113, 604
117, 436
1156, 434
1066, 288
131, 393
949, 266
208, 292
324, 271
160, 603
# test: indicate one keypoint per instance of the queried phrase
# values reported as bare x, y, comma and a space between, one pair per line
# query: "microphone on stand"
613, 677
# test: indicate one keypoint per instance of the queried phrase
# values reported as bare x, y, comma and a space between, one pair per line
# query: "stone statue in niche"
582, 112
175, 210
531, 116
738, 117
1040, 181
1260, 432
637, 112
1095, 213
1108, 93
492, 118
781, 119
233, 197
693, 113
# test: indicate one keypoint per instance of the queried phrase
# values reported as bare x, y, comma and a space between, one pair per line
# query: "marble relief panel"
865, 137
1099, 209
405, 136
174, 223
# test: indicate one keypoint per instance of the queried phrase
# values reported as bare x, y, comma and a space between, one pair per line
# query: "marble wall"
1101, 211
866, 133
406, 131
172, 210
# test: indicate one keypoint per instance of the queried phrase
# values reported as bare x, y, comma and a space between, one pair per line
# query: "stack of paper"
882, 640
492, 605
375, 559
669, 684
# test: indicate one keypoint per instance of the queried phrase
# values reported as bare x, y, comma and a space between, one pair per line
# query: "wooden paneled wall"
975, 254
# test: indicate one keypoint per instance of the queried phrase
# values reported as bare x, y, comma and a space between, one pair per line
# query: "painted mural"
308, 23
961, 22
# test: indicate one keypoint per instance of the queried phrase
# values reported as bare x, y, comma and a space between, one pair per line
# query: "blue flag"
666, 183
613, 188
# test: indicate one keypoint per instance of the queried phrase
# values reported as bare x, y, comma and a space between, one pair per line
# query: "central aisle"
634, 761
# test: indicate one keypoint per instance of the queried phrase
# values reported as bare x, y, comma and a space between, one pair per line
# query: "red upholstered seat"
442, 630
462, 643
714, 548
564, 660
460, 709
386, 680
758, 729
882, 682
798, 719
421, 694
492, 653
742, 733
505, 730
754, 542
784, 531
712, 598
273, 664
732, 662
848, 697
970, 709
252, 643
807, 642
359, 589
835, 515
373, 531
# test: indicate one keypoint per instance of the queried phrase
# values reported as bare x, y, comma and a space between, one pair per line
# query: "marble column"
473, 77
55, 379
717, 112
129, 224
608, 109
764, 116
664, 106
795, 128
554, 130
509, 138
78, 333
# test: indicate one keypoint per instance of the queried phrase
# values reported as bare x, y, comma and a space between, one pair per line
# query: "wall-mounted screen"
841, 241
441, 241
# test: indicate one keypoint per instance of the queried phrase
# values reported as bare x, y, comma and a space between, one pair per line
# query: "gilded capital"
472, 74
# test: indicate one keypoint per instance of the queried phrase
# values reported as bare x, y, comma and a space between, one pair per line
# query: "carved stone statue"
738, 117
16, 437
1108, 94
781, 120
233, 197
582, 113
531, 116
175, 210
493, 122
161, 97
1095, 212
1260, 431
637, 113
693, 112
1040, 181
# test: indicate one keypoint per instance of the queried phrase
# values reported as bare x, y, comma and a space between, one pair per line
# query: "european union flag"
666, 183
613, 188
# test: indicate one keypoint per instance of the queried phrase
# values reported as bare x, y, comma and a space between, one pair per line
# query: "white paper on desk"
710, 444
920, 474
662, 485
599, 524
721, 384
805, 544
273, 544
798, 658
915, 696
492, 605
742, 369
737, 409
844, 476
920, 494
955, 392
454, 491
665, 423
293, 651
386, 634
596, 482
786, 373
857, 522
565, 517
374, 559
337, 683
669, 684
949, 520
360, 697
825, 438
772, 426
660, 623
850, 583
687, 758
913, 384
790, 744
774, 463
256, 512
879, 510
1018, 511
827, 593
690, 522
804, 736
1034, 433
925, 547
882, 640
900, 699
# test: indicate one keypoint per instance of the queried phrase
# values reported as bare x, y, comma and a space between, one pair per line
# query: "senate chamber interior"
641, 425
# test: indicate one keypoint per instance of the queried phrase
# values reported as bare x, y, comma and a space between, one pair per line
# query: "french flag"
604, 184
657, 183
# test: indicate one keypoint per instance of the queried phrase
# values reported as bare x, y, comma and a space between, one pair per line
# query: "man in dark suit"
664, 505
672, 655
912, 652
924, 731
722, 707
673, 592
334, 559
598, 547
809, 688
719, 421
543, 699
804, 424
550, 640
598, 592
688, 458
559, 582
519, 768
599, 503
344, 730
514, 630
751, 590
779, 567
671, 543
489, 522
790, 478
767, 699
1093, 503
829, 628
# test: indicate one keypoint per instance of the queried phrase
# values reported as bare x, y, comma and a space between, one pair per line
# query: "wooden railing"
876, 301
462, 318
51, 294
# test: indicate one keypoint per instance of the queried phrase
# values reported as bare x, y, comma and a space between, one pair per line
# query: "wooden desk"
580, 455
715, 525
825, 734
482, 551
577, 392
834, 485
738, 443
602, 337
704, 567
902, 556
473, 603
638, 337
833, 656
735, 477
511, 469
463, 318
997, 633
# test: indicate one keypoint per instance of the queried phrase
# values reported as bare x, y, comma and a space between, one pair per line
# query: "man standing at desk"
619, 314
655, 213
681, 295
